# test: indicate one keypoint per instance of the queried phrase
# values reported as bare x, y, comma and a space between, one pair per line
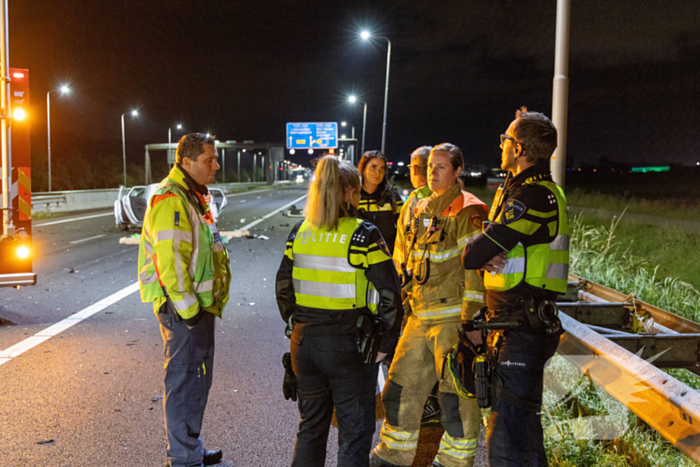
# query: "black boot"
212, 457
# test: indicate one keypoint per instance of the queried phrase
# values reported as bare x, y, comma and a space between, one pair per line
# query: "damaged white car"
131, 204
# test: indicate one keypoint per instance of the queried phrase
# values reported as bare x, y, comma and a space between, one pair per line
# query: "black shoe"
212, 457
431, 411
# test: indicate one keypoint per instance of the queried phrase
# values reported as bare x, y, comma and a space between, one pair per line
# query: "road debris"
45, 441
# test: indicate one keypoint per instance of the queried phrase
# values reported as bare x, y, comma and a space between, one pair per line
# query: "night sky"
459, 70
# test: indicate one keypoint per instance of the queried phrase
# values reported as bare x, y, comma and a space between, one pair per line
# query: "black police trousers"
515, 436
330, 375
189, 366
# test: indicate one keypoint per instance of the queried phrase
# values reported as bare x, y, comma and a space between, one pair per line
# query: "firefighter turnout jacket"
329, 277
181, 252
382, 208
530, 224
442, 226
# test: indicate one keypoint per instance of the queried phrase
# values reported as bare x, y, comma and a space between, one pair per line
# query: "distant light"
134, 113
243, 150
364, 35
352, 99
18, 75
292, 151
697, 163
209, 136
311, 151
344, 124
342, 136
65, 89
19, 114
179, 127
23, 251
400, 164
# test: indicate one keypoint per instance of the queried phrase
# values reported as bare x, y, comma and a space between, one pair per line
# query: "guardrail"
597, 344
80, 200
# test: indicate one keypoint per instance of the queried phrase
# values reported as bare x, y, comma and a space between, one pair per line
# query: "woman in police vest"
336, 268
380, 203
442, 297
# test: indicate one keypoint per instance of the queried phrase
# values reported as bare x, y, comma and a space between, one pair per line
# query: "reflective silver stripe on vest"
186, 302
322, 263
372, 296
514, 266
145, 278
201, 287
324, 289
560, 243
195, 240
558, 271
174, 234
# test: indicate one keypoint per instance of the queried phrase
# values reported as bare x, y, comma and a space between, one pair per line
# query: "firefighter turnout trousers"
413, 373
330, 374
189, 365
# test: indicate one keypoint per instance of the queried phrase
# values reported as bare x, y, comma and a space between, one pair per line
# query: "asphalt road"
91, 394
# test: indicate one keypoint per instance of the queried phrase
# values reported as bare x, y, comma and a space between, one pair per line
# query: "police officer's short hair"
456, 156
419, 159
192, 146
536, 133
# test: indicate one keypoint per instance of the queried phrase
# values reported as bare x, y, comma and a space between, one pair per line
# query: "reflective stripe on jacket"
542, 265
403, 226
441, 288
181, 251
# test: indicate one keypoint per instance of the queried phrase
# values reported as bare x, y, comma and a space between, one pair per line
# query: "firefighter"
380, 203
530, 228
442, 296
184, 270
336, 273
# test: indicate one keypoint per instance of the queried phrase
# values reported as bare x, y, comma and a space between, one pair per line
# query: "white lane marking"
74, 219
267, 216
89, 238
51, 331
248, 192
243, 201
46, 334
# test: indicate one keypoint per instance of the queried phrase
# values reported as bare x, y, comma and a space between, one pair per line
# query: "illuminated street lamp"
179, 127
64, 90
134, 113
366, 36
352, 100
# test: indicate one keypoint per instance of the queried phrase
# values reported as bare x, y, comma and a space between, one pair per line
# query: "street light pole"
133, 113
364, 127
48, 127
560, 91
386, 91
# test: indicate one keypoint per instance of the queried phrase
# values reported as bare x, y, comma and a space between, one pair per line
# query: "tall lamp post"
352, 100
133, 114
366, 36
64, 90
179, 127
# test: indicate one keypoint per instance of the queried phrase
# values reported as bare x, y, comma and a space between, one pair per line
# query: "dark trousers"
515, 436
189, 366
330, 374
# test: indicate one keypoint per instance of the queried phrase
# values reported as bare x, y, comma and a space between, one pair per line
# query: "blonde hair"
332, 180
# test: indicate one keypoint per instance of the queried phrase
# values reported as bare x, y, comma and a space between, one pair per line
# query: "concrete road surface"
86, 389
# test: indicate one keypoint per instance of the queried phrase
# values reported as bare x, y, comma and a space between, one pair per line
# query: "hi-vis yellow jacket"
181, 252
441, 289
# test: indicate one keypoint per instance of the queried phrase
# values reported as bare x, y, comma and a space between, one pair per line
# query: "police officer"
336, 272
530, 229
442, 295
380, 203
184, 270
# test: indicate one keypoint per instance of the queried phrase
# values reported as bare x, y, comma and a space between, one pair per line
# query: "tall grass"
576, 413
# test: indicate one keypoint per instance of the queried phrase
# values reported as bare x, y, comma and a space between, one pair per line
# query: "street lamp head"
134, 113
352, 99
65, 89
365, 35
344, 124
179, 127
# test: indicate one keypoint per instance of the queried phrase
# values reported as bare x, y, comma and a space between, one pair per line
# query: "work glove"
289, 385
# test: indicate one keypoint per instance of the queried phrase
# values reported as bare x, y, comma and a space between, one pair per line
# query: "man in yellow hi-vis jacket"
184, 270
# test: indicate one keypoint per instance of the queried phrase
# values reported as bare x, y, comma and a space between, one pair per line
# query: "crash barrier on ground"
599, 340
81, 200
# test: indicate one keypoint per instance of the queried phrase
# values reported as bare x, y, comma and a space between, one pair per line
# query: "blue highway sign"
322, 135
